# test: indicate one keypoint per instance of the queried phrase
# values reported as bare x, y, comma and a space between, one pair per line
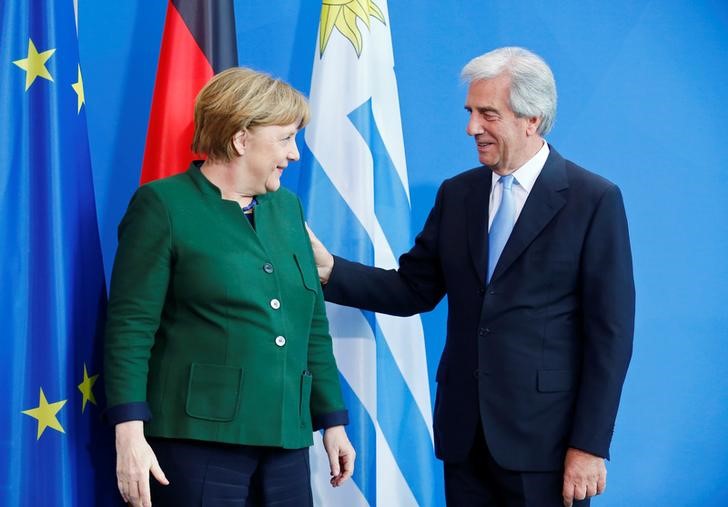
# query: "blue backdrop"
642, 95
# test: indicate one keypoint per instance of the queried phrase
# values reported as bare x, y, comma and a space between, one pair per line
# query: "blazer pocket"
213, 392
552, 381
310, 280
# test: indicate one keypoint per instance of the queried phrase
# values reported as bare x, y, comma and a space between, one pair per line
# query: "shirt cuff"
136, 411
324, 421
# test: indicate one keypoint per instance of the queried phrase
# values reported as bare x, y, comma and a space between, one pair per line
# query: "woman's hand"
341, 454
134, 460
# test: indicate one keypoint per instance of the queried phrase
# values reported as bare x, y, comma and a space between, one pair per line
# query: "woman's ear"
239, 142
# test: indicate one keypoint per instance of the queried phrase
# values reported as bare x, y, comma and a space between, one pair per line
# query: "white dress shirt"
523, 179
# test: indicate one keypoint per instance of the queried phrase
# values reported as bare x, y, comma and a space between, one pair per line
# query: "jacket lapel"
476, 205
544, 201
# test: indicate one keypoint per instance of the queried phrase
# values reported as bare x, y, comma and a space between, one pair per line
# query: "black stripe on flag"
212, 24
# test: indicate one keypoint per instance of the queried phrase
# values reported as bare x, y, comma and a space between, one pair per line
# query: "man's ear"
239, 141
532, 124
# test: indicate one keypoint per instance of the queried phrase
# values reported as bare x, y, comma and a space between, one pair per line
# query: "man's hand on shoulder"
323, 259
585, 475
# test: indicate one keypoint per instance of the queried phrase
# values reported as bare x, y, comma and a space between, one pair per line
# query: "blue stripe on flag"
391, 205
402, 424
363, 437
329, 215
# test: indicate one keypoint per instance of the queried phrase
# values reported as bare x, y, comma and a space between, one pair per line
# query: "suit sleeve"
608, 303
138, 289
417, 286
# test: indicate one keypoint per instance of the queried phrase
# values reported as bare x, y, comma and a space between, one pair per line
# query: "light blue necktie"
503, 222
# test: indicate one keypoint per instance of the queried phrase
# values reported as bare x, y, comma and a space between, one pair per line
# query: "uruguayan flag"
357, 198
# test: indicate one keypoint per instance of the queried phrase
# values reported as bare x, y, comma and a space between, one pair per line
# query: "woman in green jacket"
218, 360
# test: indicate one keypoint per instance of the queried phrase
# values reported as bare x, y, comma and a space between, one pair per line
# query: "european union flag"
51, 274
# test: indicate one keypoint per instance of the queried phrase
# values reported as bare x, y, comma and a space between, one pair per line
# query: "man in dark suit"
533, 253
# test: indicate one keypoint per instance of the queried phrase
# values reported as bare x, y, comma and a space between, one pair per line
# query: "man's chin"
488, 161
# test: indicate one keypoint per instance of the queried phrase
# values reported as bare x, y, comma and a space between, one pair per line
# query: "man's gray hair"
533, 89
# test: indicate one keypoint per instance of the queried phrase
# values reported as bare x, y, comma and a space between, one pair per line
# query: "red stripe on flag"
182, 71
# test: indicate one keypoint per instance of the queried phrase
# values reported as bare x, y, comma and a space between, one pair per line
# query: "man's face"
503, 140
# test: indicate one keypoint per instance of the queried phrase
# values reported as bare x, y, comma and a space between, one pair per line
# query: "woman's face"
267, 152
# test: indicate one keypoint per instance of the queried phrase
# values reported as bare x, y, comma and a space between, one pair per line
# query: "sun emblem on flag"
343, 15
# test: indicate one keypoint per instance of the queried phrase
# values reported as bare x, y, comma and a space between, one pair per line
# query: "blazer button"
280, 341
476, 373
268, 267
275, 304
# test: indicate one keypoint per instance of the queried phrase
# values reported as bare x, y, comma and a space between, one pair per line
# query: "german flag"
198, 42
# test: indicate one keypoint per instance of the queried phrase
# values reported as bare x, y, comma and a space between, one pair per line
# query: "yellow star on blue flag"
86, 388
45, 414
34, 64
78, 88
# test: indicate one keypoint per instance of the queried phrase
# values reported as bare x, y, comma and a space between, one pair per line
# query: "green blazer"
217, 331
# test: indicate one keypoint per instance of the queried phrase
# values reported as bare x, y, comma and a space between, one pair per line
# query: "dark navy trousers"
481, 482
208, 474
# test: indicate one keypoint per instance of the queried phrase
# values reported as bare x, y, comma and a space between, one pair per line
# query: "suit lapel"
544, 201
476, 205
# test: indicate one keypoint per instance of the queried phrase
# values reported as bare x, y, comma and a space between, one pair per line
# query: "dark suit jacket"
215, 329
540, 354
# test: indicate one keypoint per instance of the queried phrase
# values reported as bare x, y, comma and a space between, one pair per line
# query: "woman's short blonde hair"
239, 99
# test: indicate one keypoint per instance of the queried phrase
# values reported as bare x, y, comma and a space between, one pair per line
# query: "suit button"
476, 373
482, 331
268, 267
275, 304
280, 341
491, 291
481, 291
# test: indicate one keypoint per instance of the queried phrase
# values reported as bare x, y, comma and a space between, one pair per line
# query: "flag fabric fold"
198, 42
355, 189
55, 451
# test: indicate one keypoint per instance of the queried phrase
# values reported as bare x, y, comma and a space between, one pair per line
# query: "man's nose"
473, 128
